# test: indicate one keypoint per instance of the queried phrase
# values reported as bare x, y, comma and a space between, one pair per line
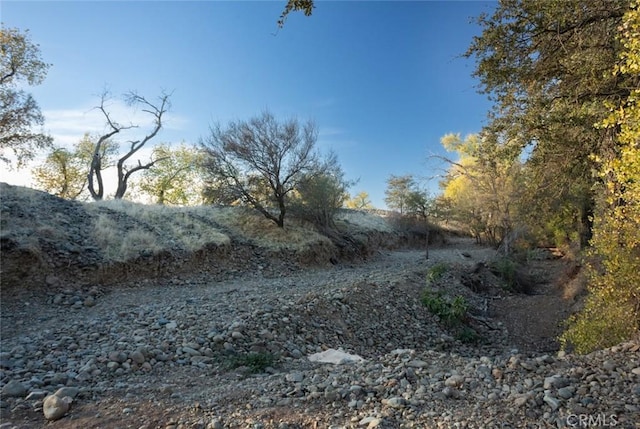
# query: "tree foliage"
612, 311
397, 192
61, 174
306, 6
544, 66
261, 161
20, 63
175, 176
481, 186
321, 193
548, 68
64, 172
359, 201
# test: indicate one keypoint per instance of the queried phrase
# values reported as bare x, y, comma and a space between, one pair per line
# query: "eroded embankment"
46, 241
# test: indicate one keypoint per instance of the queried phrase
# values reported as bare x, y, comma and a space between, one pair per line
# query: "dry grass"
363, 220
149, 229
122, 230
159, 228
257, 229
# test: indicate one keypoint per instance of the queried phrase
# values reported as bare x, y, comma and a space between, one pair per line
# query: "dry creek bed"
169, 354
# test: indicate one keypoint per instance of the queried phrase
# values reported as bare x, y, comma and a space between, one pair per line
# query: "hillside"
47, 240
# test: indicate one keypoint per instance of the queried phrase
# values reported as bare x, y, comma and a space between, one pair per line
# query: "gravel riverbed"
180, 353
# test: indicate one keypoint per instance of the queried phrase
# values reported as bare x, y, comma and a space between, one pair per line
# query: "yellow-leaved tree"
612, 309
480, 187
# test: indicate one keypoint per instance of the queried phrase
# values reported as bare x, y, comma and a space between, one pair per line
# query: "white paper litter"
337, 357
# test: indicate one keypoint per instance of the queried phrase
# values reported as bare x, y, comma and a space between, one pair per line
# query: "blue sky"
383, 80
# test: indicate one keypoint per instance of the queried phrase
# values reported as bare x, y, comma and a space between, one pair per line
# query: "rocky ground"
230, 351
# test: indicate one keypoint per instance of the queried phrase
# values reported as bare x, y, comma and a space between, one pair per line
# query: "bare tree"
249, 156
157, 111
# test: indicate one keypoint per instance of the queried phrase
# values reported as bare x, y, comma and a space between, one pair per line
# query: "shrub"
256, 362
452, 312
436, 272
468, 335
505, 268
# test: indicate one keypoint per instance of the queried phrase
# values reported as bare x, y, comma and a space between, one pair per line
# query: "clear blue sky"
383, 80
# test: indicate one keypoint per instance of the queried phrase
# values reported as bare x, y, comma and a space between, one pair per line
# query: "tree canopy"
262, 161
20, 63
175, 177
546, 65
564, 79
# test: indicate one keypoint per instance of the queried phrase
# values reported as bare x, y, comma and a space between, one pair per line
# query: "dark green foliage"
255, 362
436, 272
306, 6
468, 335
505, 269
451, 311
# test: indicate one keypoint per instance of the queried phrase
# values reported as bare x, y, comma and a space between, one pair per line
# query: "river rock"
55, 407
14, 389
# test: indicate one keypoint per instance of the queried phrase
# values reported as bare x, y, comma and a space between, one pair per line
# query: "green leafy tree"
320, 194
20, 63
175, 177
61, 174
64, 172
481, 186
544, 65
612, 310
397, 192
359, 201
419, 204
248, 157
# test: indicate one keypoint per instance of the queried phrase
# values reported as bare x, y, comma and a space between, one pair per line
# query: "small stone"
636, 371
551, 401
555, 381
449, 392
14, 389
171, 326
370, 422
396, 402
294, 377
55, 407
566, 392
37, 395
417, 363
89, 301
497, 373
191, 351
454, 381
51, 280
609, 365
137, 357
521, 400
236, 335
118, 357
64, 392
215, 424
